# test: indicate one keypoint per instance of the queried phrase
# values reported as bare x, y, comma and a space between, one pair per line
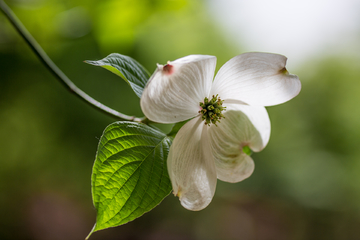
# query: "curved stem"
51, 66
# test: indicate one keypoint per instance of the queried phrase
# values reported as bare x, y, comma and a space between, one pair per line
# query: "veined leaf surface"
127, 68
130, 174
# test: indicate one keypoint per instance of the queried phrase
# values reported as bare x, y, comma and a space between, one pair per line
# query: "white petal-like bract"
258, 79
242, 126
191, 166
174, 91
246, 118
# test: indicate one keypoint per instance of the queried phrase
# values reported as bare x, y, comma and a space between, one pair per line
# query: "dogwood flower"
228, 117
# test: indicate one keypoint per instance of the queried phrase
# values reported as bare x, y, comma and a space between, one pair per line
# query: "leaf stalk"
64, 80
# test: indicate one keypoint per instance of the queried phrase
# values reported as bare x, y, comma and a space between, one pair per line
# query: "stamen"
211, 110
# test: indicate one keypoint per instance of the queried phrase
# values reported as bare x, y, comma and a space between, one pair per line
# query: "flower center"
211, 110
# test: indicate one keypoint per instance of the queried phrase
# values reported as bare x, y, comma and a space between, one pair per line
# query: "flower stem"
51, 66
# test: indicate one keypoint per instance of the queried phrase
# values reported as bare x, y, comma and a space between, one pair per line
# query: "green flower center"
212, 110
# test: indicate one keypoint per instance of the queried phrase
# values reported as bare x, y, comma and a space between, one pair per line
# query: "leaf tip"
89, 62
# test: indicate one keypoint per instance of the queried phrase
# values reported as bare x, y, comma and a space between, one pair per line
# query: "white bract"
213, 144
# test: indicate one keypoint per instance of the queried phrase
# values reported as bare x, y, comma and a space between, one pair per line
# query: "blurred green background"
306, 183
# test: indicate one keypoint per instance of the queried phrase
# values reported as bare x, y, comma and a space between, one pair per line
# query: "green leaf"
127, 68
130, 174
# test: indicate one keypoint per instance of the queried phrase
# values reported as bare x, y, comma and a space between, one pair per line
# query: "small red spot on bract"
168, 69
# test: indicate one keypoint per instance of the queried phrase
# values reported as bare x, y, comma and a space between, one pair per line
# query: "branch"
64, 80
